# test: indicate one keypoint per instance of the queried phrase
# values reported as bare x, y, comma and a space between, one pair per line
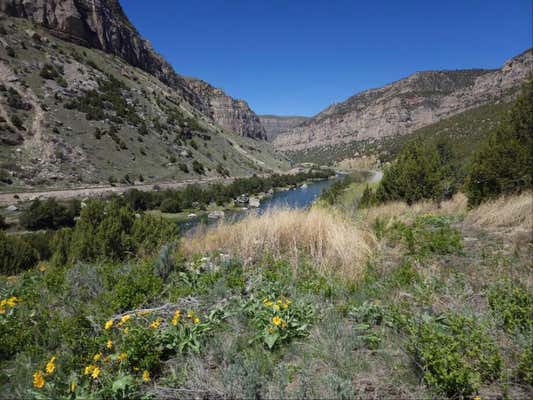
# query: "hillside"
463, 132
275, 125
406, 105
91, 102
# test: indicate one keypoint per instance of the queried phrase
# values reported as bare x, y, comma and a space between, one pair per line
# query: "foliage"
415, 175
427, 235
198, 167
277, 319
512, 304
16, 255
454, 353
49, 214
504, 163
109, 230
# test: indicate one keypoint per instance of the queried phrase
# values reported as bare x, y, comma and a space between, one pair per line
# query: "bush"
416, 175
170, 205
49, 214
454, 354
3, 223
504, 163
198, 167
512, 304
16, 255
109, 230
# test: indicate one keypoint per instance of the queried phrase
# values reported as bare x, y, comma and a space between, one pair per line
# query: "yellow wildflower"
73, 386
51, 366
38, 380
276, 320
155, 324
196, 320
107, 359
88, 369
126, 330
267, 303
477, 398
190, 313
283, 324
176, 317
286, 304
275, 307
146, 376
3, 303
97, 356
108, 324
124, 319
42, 267
2, 309
144, 312
12, 301
96, 372
122, 356
109, 344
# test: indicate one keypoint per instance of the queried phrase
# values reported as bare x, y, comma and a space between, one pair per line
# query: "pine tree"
504, 164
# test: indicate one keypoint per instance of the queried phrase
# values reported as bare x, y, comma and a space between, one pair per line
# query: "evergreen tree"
415, 175
504, 164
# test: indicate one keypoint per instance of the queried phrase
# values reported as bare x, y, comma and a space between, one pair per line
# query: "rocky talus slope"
408, 104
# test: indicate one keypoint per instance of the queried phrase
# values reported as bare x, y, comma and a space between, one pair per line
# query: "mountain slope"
408, 104
275, 125
73, 115
102, 24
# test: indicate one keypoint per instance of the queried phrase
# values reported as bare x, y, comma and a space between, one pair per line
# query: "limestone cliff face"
232, 114
276, 125
102, 24
408, 104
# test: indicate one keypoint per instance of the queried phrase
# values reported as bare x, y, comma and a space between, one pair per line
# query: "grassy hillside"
395, 301
71, 115
463, 131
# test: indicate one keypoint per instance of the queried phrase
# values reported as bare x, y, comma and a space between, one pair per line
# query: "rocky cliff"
408, 104
275, 125
102, 24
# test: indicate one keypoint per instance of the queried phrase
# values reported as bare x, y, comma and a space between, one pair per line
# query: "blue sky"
296, 57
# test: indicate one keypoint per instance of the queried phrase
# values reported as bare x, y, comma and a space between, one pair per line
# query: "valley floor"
393, 301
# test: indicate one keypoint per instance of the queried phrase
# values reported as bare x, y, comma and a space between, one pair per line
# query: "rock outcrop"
102, 24
275, 125
408, 104
232, 114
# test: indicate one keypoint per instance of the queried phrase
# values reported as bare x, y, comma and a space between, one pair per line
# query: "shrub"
525, 365
183, 167
3, 223
454, 353
170, 205
135, 288
415, 175
505, 161
16, 255
512, 304
49, 214
198, 167
109, 230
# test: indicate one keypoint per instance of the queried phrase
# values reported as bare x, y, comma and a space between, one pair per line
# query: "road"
98, 191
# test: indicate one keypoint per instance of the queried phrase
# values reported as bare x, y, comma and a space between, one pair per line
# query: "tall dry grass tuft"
406, 213
331, 241
505, 212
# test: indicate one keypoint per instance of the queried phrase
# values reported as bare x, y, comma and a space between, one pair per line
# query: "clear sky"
296, 57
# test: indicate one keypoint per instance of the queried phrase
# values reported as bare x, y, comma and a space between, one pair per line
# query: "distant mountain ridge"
275, 125
407, 104
102, 24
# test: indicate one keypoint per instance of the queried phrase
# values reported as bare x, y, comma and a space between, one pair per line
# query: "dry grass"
403, 212
514, 212
331, 241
